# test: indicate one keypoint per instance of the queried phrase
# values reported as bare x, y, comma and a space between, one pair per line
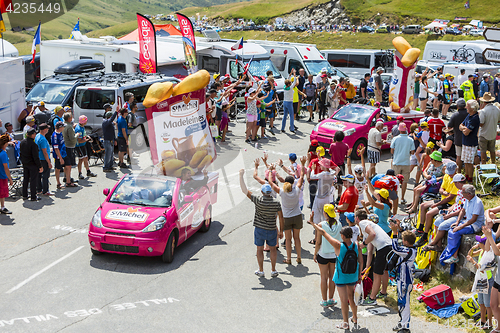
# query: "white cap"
323, 70
358, 168
458, 178
251, 90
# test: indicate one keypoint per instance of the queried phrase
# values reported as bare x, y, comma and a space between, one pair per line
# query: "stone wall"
464, 269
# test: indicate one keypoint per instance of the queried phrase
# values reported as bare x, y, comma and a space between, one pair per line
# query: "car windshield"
353, 113
259, 67
314, 66
143, 191
49, 92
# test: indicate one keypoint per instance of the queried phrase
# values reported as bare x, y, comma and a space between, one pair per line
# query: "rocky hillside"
327, 13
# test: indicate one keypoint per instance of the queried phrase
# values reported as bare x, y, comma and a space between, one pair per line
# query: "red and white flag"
36, 41
147, 44
238, 45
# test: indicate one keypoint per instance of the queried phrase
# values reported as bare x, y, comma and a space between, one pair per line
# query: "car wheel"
168, 254
361, 143
95, 252
208, 220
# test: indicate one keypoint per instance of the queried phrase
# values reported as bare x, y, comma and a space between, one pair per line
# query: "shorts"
402, 169
422, 98
443, 206
341, 173
81, 151
218, 114
485, 298
468, 154
69, 160
252, 117
122, 144
295, 107
413, 160
294, 222
270, 113
458, 150
393, 195
261, 236
262, 122
57, 164
444, 225
4, 188
373, 156
496, 286
309, 101
323, 261
415, 96
445, 100
343, 219
440, 97
380, 264
486, 145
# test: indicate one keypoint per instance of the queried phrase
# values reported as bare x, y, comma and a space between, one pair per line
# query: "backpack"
350, 262
51, 128
388, 182
392, 260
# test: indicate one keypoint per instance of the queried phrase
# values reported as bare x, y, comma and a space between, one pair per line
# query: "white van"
12, 89
464, 51
356, 63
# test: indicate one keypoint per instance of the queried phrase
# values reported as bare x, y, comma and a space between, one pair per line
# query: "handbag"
480, 283
358, 294
214, 130
438, 297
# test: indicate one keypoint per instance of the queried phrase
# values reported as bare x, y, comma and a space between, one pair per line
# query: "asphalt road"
50, 281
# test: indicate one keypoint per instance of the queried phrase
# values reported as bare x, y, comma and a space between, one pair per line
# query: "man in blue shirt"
81, 147
484, 86
469, 128
122, 137
402, 147
59, 153
43, 155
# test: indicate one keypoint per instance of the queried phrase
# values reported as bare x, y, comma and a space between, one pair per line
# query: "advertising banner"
189, 41
147, 44
180, 135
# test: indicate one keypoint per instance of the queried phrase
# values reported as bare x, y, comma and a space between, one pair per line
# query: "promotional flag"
36, 41
147, 44
2, 24
5, 5
247, 66
179, 134
467, 5
186, 28
238, 45
76, 28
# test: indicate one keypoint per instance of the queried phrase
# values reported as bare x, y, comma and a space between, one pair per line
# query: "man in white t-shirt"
375, 143
373, 234
461, 79
439, 86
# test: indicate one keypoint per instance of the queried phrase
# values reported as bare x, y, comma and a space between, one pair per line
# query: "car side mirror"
188, 198
105, 191
99, 115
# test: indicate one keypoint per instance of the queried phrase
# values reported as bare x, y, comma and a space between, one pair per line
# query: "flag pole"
3, 50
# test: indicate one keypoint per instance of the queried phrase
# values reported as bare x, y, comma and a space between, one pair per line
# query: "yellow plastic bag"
425, 258
471, 306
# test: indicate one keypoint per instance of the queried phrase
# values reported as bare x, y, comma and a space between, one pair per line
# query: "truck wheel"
168, 254
361, 143
95, 252
208, 220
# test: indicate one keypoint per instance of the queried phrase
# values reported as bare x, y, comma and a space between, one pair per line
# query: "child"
5, 178
262, 116
339, 151
225, 119
404, 275
59, 152
482, 299
359, 172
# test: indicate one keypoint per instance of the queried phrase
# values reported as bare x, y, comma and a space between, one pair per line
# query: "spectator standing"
81, 147
350, 92
402, 147
341, 93
349, 198
475, 85
266, 211
59, 152
338, 152
436, 126
58, 116
455, 120
395, 128
461, 79
5, 177
30, 124
70, 140
484, 87
447, 94
28, 111
468, 88
302, 81
310, 91
363, 93
378, 84
323, 95
489, 116
129, 97
496, 87
271, 107
108, 132
122, 137
470, 128
31, 165
375, 143
288, 102
44, 156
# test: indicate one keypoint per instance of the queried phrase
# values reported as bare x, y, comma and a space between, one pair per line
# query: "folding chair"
240, 109
95, 150
485, 172
15, 190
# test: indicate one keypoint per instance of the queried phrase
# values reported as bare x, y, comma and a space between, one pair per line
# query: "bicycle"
463, 54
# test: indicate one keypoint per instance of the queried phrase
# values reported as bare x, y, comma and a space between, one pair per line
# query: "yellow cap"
320, 151
216, 76
424, 124
447, 75
383, 193
431, 144
330, 209
56, 110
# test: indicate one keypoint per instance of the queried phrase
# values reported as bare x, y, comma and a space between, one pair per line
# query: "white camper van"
12, 91
464, 52
356, 63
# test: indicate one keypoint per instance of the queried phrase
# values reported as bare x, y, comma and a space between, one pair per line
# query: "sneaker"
282, 131
404, 330
445, 117
323, 303
134, 154
397, 327
421, 241
265, 137
48, 194
80, 176
123, 166
259, 273
25, 198
5, 211
274, 273
37, 198
369, 301
107, 170
404, 202
332, 302
247, 140
452, 260
91, 174
380, 295
309, 120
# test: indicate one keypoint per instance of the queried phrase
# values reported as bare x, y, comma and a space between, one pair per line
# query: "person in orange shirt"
350, 90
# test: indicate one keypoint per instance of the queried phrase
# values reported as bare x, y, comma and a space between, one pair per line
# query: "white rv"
357, 62
470, 52
12, 90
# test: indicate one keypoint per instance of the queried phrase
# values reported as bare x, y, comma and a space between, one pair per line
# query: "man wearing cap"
395, 128
350, 92
484, 87
318, 79
32, 166
468, 88
378, 84
402, 147
122, 138
375, 143
439, 90
108, 133
349, 199
30, 124
59, 153
58, 116
448, 191
447, 94
469, 128
436, 126
489, 116
455, 120
44, 156
25, 113
266, 210
81, 147
70, 140
325, 183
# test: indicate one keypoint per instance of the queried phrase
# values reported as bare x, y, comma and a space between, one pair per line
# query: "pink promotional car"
356, 120
149, 215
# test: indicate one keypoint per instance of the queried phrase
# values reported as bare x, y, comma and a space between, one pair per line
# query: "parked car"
355, 120
412, 29
366, 28
453, 31
382, 29
147, 215
476, 32
300, 28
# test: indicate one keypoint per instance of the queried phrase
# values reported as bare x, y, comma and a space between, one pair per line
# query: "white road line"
44, 269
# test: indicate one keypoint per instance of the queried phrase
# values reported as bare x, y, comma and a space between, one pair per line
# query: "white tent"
476, 23
433, 25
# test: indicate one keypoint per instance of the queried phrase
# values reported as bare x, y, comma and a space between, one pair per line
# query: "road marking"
44, 269
70, 229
